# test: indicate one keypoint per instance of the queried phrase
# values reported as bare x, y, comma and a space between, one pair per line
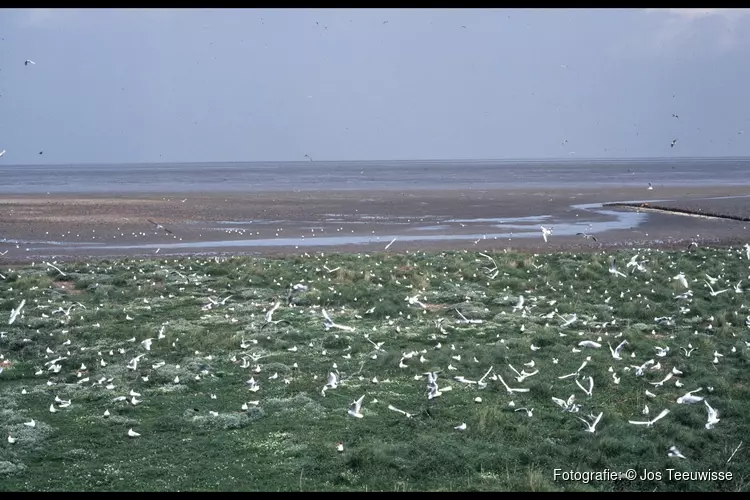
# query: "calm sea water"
369, 175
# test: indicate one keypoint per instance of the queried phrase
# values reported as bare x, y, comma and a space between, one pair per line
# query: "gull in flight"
330, 324
2, 153
393, 408
159, 226
713, 293
616, 351
613, 269
567, 322
688, 352
675, 453
681, 278
333, 382
591, 386
546, 232
269, 316
649, 423
15, 312
567, 406
28, 61
689, 399
356, 407
308, 157
713, 416
510, 391
661, 382
591, 426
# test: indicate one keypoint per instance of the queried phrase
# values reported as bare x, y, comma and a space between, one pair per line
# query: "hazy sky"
172, 85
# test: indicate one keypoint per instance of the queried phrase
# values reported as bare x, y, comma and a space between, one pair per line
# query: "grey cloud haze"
163, 85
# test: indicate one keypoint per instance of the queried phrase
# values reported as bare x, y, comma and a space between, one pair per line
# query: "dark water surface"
370, 175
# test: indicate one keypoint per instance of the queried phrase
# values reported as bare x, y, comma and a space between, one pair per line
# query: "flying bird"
674, 141
713, 416
649, 423
355, 410
28, 61
591, 426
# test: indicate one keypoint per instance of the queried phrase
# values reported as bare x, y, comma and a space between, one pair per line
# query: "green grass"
191, 441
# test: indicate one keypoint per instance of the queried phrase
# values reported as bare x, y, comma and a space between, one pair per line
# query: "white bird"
683, 281
333, 382
567, 406
713, 416
2, 153
529, 412
15, 312
616, 352
714, 293
31, 423
589, 343
591, 426
52, 408
510, 391
688, 398
649, 423
393, 408
356, 407
11, 439
661, 382
613, 269
546, 232
591, 386
461, 427
675, 453
132, 433
147, 344
106, 413
28, 61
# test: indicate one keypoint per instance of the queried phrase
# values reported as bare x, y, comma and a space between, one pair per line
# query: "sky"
215, 85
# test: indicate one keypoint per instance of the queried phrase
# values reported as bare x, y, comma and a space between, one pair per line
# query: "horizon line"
443, 160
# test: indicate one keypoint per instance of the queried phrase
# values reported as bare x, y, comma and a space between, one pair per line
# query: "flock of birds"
446, 331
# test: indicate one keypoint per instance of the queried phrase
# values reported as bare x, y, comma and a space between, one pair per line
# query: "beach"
76, 226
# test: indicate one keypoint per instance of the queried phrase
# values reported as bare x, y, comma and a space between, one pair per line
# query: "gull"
661, 351
2, 153
333, 382
529, 412
510, 391
586, 236
591, 386
737, 288
661, 382
688, 352
713, 416
567, 406
461, 427
28, 61
331, 270
649, 423
467, 321
31, 423
106, 413
639, 369
546, 232
713, 293
147, 344
567, 322
519, 305
393, 408
15, 312
645, 410
415, 301
675, 453
159, 226
482, 384
308, 157
339, 447
589, 343
52, 408
674, 141
11, 439
330, 324
132, 433
613, 269
681, 278
688, 397
434, 392
711, 280
389, 244
356, 407
616, 352
591, 426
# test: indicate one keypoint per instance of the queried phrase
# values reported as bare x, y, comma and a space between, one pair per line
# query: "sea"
369, 175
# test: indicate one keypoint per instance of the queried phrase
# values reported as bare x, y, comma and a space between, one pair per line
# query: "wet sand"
64, 227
